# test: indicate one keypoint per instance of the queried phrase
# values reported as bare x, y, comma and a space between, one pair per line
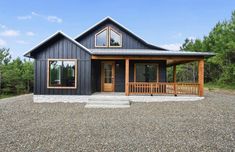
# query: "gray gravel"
207, 125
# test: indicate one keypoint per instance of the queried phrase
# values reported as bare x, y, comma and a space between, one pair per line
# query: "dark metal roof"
148, 52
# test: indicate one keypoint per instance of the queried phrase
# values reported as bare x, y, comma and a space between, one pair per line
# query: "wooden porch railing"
163, 88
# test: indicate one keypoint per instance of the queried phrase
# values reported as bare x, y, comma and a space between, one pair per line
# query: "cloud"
36, 14
27, 17
10, 33
193, 38
21, 42
50, 18
54, 19
173, 46
30, 33
2, 42
3, 26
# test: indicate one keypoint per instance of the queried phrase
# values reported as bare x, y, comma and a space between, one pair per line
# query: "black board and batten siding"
128, 40
62, 48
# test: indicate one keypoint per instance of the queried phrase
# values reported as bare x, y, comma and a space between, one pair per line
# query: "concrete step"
111, 102
107, 102
106, 106
108, 98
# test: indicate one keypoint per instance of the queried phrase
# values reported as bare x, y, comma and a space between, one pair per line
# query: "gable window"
62, 73
115, 38
101, 38
146, 72
108, 37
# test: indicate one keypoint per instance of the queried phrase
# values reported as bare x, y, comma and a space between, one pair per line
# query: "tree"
221, 40
5, 58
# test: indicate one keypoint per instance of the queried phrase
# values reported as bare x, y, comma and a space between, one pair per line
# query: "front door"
107, 76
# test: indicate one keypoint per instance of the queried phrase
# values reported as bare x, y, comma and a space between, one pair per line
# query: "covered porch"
161, 86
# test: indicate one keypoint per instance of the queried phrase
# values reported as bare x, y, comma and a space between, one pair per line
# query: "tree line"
219, 69
16, 75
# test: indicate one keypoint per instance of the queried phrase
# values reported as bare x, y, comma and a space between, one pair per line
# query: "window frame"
110, 28
107, 36
61, 87
157, 75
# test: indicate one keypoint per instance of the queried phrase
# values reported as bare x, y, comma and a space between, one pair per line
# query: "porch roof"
149, 52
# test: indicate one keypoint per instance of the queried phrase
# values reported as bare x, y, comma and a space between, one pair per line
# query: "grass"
212, 86
6, 95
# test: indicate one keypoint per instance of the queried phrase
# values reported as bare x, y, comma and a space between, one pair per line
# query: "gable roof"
119, 25
53, 36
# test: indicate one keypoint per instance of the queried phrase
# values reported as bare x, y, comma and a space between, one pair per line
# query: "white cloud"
173, 46
3, 26
10, 33
36, 14
50, 18
2, 42
192, 38
21, 42
27, 17
54, 19
30, 33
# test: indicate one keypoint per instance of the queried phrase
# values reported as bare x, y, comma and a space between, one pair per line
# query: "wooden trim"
135, 72
107, 41
162, 88
127, 77
157, 76
99, 57
201, 77
48, 74
174, 73
174, 78
102, 75
110, 28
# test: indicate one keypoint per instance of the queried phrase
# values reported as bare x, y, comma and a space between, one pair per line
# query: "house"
109, 58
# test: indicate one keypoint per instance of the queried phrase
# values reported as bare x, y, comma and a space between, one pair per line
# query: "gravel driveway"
207, 125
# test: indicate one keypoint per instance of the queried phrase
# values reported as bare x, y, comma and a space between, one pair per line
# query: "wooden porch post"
174, 79
201, 77
127, 77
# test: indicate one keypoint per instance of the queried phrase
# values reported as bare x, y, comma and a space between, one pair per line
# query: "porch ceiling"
171, 60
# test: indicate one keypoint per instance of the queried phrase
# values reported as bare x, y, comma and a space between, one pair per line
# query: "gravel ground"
207, 125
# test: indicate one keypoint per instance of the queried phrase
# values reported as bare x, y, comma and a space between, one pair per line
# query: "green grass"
212, 86
6, 95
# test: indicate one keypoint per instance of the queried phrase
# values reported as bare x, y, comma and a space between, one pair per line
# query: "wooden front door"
107, 76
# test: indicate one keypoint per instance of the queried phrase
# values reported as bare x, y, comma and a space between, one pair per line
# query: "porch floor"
144, 98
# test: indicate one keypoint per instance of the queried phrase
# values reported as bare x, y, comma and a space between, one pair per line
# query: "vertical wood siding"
128, 41
63, 48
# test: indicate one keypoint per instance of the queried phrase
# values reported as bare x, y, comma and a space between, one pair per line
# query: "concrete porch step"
108, 102
106, 106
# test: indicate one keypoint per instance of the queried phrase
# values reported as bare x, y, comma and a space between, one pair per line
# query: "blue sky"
166, 23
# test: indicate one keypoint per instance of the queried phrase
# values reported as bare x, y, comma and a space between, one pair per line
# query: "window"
146, 72
115, 38
101, 38
62, 73
108, 37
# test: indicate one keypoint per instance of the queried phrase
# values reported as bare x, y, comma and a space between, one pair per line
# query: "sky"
165, 23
